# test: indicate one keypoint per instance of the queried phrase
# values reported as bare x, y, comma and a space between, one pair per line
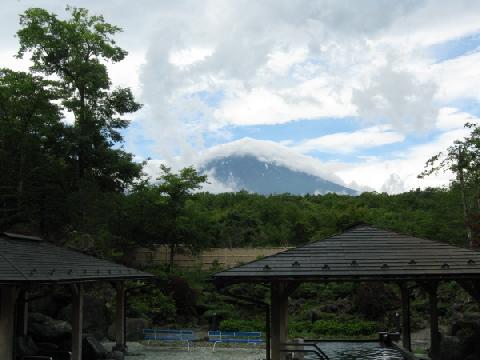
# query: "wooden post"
22, 313
279, 320
267, 333
77, 321
434, 332
8, 298
120, 336
406, 329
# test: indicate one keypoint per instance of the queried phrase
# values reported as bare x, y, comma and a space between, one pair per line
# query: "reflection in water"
357, 351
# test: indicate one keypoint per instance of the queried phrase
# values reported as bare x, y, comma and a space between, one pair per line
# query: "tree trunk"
172, 255
82, 135
461, 178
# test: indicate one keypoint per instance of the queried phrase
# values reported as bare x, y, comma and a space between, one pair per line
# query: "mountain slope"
254, 175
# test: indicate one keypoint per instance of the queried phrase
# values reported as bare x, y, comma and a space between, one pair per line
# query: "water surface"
335, 351
357, 351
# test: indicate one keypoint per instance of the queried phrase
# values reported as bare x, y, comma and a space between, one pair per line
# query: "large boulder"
451, 348
43, 328
135, 328
92, 349
95, 320
466, 332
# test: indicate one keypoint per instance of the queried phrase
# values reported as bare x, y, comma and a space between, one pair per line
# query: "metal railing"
306, 347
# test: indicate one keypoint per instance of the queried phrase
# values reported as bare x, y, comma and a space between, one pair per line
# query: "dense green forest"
73, 181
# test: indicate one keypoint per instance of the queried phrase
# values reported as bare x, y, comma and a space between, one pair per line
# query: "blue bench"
245, 337
169, 335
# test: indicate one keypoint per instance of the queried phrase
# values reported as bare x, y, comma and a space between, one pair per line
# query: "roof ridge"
22, 236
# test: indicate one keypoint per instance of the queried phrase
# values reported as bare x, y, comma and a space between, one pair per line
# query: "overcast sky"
362, 91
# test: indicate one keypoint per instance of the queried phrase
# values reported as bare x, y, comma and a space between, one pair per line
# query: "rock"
463, 324
116, 355
50, 305
135, 328
451, 348
95, 316
43, 328
92, 348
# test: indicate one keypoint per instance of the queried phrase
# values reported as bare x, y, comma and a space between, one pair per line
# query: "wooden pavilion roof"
362, 253
27, 259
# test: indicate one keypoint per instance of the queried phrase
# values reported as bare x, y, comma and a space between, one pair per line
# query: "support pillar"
77, 321
406, 328
434, 331
267, 333
22, 313
120, 335
8, 298
279, 320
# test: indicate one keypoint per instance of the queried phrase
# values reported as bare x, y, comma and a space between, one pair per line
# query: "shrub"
242, 325
344, 328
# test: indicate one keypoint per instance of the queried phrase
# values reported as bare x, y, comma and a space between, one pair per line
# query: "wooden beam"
279, 320
120, 338
434, 331
406, 328
77, 321
8, 299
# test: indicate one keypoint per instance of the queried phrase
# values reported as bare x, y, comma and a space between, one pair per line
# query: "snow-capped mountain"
247, 172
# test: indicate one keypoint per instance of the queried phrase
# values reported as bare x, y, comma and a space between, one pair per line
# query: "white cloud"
377, 173
450, 118
126, 73
458, 78
349, 142
185, 57
397, 97
215, 186
393, 185
8, 60
437, 21
264, 106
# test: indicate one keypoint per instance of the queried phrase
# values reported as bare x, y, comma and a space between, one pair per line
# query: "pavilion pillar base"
8, 299
120, 338
279, 320
77, 321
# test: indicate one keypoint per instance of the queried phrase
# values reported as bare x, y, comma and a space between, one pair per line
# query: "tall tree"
178, 188
32, 143
463, 160
76, 51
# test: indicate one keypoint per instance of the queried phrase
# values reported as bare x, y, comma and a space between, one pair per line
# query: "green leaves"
75, 50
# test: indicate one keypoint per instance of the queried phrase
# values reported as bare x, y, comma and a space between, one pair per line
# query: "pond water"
357, 351
334, 350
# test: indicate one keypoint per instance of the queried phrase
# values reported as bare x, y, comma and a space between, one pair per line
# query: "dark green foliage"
344, 328
58, 177
242, 325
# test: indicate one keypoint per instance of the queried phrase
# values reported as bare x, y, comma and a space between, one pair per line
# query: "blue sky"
362, 92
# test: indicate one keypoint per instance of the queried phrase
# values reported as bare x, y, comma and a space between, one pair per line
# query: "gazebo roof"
361, 253
27, 259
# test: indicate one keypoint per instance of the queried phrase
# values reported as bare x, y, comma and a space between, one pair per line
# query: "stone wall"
225, 257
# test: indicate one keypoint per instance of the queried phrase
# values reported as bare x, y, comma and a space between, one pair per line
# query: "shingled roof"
361, 253
26, 259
